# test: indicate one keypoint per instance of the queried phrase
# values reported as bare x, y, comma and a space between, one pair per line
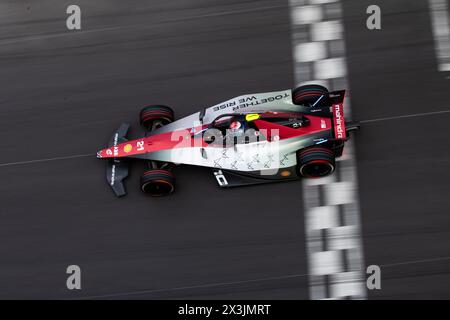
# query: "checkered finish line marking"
441, 32
332, 218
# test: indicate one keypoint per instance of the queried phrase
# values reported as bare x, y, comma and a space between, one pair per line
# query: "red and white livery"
250, 139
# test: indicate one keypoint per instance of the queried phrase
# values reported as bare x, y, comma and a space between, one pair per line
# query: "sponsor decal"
248, 101
128, 147
323, 124
116, 149
221, 180
339, 122
113, 174
140, 145
108, 152
285, 173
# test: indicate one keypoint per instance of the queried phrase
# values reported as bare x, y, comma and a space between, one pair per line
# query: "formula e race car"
250, 139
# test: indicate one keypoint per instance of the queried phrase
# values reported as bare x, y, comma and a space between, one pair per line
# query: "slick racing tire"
316, 162
158, 182
155, 114
308, 94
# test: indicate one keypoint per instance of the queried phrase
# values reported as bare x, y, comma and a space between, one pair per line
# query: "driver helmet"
235, 125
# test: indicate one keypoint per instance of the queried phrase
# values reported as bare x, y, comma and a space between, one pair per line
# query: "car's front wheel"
316, 162
158, 182
154, 116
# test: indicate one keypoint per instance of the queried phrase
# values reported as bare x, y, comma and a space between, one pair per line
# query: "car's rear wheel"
155, 116
316, 162
158, 182
308, 94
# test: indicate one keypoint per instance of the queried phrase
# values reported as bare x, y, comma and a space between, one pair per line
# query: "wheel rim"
157, 188
157, 124
153, 124
317, 169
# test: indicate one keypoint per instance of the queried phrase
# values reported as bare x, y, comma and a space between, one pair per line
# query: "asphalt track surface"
63, 93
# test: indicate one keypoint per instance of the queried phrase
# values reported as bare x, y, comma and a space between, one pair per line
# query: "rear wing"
338, 121
117, 168
341, 127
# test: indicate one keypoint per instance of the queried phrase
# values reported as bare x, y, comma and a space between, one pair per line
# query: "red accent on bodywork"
269, 129
339, 121
158, 142
184, 139
278, 114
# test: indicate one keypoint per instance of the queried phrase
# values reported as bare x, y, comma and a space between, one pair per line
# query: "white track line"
7, 164
138, 27
341, 278
441, 32
332, 227
314, 182
402, 263
201, 286
405, 116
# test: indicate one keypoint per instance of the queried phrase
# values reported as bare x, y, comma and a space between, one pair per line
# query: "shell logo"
285, 173
127, 148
